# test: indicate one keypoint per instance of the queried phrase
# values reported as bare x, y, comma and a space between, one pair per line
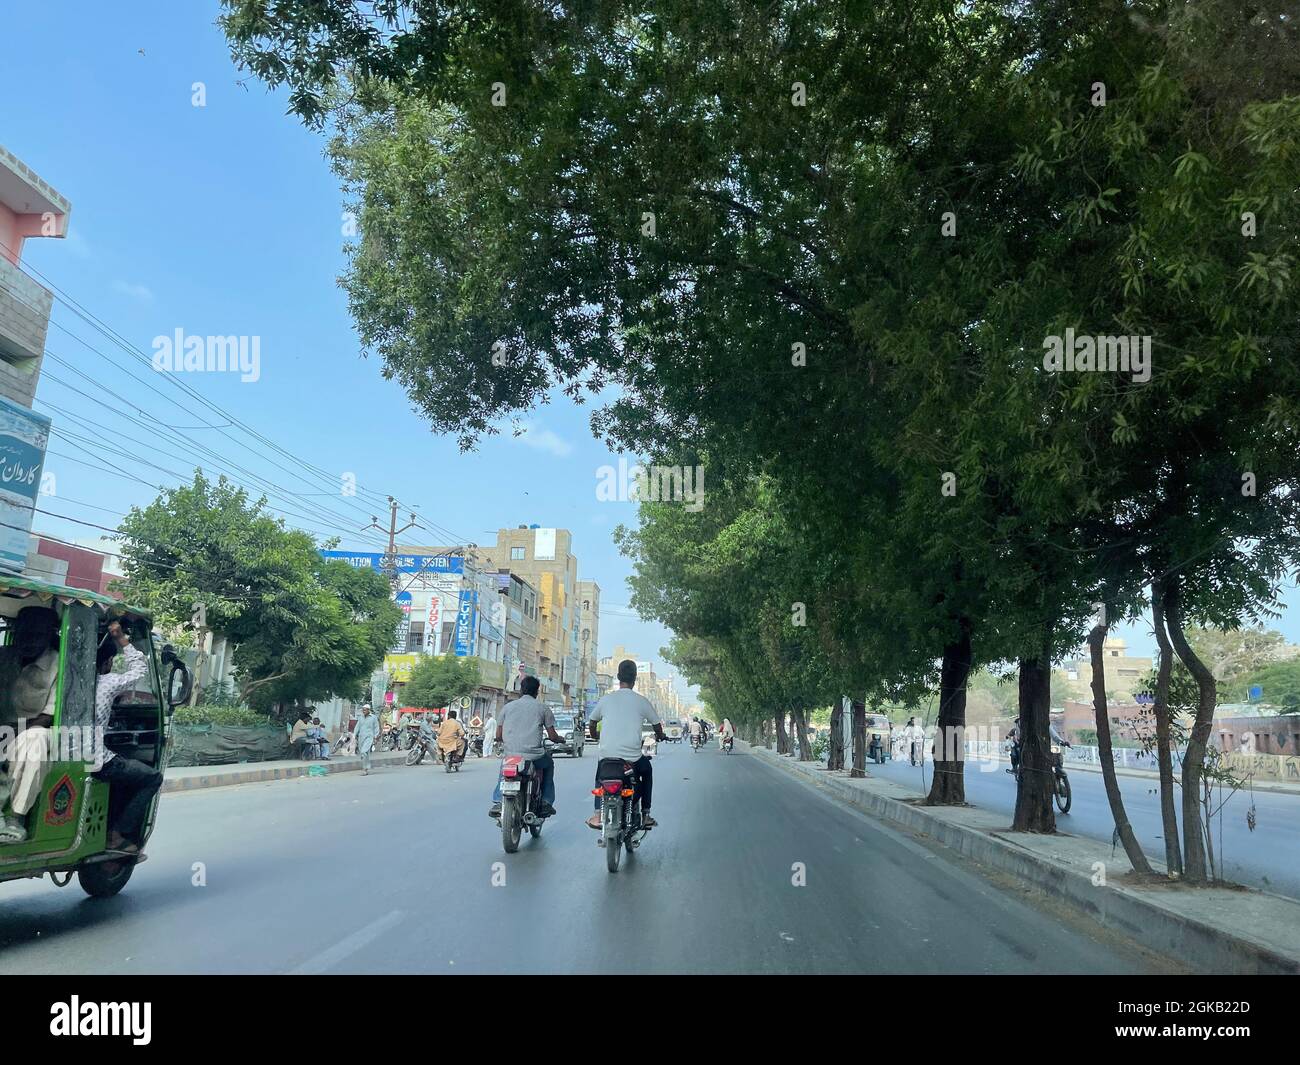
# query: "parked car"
568, 726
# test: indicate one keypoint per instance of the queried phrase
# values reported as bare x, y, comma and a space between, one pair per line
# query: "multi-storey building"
588, 639
544, 558
29, 208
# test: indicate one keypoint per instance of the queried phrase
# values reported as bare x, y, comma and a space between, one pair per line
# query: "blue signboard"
23, 436
466, 619
405, 563
1256, 692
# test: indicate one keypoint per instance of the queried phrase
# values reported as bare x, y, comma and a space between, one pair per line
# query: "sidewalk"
1214, 929
1292, 788
186, 778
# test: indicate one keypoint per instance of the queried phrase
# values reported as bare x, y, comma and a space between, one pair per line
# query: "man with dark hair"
623, 712
520, 733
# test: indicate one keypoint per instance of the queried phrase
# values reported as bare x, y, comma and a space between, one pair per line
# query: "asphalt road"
1268, 857
393, 873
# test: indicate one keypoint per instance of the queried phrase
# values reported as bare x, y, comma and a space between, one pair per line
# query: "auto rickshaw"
880, 738
67, 827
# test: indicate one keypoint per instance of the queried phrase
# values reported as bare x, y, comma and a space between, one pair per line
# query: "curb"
224, 776
1119, 908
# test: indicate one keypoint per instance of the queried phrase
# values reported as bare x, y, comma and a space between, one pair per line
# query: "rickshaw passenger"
132, 783
29, 670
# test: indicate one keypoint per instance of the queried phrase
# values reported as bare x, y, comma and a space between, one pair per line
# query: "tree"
302, 628
438, 680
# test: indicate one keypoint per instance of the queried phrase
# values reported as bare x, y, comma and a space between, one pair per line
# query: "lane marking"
327, 959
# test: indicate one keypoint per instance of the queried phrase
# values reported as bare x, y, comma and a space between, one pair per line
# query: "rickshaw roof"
45, 592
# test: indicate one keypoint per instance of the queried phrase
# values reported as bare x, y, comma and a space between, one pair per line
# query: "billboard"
399, 667
544, 544
23, 436
466, 622
405, 563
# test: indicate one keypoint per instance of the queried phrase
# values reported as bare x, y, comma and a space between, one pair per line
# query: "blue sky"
225, 219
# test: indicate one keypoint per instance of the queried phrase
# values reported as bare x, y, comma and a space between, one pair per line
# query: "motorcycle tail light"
612, 787
510, 772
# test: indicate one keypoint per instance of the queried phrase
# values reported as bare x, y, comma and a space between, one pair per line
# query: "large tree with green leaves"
303, 628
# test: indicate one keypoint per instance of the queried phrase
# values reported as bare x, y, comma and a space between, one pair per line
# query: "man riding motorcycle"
520, 734
1013, 737
623, 712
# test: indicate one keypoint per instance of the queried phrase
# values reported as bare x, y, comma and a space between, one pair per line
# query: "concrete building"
1257, 733
588, 640
1125, 673
29, 207
544, 558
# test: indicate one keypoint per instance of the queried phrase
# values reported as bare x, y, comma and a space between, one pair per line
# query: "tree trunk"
949, 785
782, 741
859, 739
835, 757
801, 731
1194, 757
1096, 643
1034, 811
1164, 747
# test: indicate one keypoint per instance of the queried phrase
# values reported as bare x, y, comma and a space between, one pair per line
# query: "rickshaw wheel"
103, 880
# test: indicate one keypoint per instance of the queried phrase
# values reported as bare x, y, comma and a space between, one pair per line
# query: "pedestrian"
367, 733
489, 736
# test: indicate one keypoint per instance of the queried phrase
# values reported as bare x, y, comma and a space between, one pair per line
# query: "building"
1257, 733
29, 208
1125, 673
450, 607
588, 640
544, 558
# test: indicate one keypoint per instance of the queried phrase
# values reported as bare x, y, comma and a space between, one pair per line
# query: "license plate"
509, 787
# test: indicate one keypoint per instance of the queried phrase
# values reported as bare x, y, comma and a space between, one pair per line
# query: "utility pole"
199, 621
388, 564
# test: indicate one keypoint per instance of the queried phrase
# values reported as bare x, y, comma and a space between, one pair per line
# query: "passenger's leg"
547, 762
645, 778
136, 784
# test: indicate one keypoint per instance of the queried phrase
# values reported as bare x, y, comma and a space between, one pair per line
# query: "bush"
208, 714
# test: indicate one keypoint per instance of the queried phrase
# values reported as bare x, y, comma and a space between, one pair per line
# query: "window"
415, 638
516, 553
586, 604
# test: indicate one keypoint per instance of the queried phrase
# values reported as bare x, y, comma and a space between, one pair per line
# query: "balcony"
24, 322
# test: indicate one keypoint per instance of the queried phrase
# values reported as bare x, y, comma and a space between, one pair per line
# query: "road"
1267, 858
393, 873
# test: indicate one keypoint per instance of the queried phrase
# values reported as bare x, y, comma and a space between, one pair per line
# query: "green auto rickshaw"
66, 826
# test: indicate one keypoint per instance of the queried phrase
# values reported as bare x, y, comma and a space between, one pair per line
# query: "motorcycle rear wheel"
613, 845
511, 825
415, 755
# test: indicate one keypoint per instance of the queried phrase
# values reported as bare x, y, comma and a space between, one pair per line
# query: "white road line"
327, 959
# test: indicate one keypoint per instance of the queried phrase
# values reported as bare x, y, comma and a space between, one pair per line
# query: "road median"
1214, 929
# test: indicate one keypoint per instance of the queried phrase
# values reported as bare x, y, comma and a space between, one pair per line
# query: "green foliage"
209, 714
438, 680
304, 629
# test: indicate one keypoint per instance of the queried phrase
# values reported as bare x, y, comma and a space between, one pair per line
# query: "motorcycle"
452, 762
726, 743
1060, 782
476, 742
697, 740
424, 744
620, 810
521, 801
